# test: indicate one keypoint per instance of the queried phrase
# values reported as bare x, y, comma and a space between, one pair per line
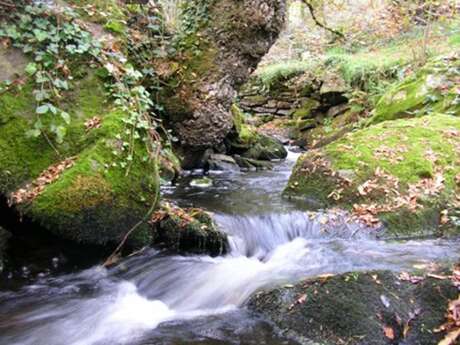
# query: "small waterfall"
155, 296
120, 305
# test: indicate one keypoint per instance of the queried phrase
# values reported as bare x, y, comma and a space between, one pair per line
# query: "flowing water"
153, 298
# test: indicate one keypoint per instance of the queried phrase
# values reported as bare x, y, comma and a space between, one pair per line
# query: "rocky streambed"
254, 294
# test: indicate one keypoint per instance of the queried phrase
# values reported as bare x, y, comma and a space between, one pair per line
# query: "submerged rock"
222, 162
356, 308
403, 173
203, 182
187, 231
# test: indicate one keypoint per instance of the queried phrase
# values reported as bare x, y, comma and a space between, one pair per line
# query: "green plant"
58, 45
55, 42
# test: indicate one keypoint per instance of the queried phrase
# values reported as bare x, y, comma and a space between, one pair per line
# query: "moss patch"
96, 201
22, 158
433, 89
349, 309
405, 156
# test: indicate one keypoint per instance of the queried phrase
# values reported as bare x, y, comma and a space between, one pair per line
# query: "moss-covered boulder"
377, 308
79, 189
402, 173
247, 142
434, 88
187, 231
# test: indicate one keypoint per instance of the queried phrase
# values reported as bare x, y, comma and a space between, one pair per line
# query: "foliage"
271, 75
58, 45
55, 43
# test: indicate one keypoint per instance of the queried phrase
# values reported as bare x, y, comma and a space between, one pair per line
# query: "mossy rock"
94, 201
396, 158
189, 231
356, 308
306, 109
266, 148
247, 142
433, 89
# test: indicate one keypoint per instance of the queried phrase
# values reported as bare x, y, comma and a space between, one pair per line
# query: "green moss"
272, 75
23, 158
97, 192
105, 12
238, 117
432, 89
408, 150
305, 111
94, 201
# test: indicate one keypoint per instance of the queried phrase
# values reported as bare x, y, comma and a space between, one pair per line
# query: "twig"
112, 258
317, 22
7, 4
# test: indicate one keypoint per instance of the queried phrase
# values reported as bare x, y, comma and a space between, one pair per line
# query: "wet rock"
222, 162
187, 231
266, 148
265, 110
337, 110
203, 182
252, 164
358, 309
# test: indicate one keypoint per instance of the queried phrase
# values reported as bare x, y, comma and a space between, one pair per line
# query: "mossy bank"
404, 173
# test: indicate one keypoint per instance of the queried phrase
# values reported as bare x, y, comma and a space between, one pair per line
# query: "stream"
154, 298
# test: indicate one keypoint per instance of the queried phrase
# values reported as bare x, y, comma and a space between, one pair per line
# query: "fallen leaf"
389, 332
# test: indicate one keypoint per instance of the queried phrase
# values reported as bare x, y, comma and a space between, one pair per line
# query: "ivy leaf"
31, 68
33, 133
60, 132
41, 95
66, 117
42, 109
40, 35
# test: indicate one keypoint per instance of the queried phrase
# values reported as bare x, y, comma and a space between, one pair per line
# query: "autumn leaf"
389, 332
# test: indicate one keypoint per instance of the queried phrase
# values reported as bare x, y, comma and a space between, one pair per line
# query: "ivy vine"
57, 44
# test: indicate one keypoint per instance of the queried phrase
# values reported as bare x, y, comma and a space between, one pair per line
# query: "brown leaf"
389, 332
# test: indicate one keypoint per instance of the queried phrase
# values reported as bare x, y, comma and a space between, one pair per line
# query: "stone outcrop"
356, 308
306, 103
217, 56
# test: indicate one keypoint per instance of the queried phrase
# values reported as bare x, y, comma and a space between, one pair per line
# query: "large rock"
403, 173
375, 308
220, 48
434, 88
187, 231
83, 194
